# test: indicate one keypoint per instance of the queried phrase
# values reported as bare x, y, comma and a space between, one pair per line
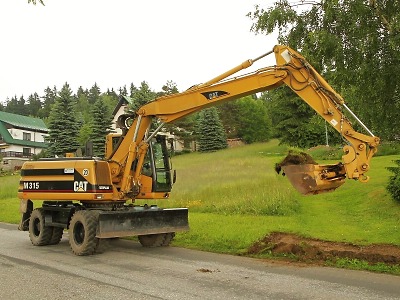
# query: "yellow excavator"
94, 197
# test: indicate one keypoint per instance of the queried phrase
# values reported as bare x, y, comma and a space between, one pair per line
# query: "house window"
26, 151
26, 136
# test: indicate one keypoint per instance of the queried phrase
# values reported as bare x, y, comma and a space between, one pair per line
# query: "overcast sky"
116, 42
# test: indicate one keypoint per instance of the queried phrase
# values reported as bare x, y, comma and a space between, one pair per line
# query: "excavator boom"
293, 70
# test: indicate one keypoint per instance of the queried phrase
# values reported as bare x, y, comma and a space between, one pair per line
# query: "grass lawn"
235, 198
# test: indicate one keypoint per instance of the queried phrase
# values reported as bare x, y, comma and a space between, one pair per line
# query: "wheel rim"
79, 233
36, 227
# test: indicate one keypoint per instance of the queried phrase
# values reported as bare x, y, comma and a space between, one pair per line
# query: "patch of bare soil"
317, 251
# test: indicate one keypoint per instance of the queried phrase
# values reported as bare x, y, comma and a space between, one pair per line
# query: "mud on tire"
56, 236
156, 240
39, 234
82, 232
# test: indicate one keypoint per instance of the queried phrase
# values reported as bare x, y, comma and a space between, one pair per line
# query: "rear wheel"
39, 234
82, 232
102, 245
156, 240
56, 235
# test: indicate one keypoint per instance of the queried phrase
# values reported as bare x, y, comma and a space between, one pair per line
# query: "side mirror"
174, 177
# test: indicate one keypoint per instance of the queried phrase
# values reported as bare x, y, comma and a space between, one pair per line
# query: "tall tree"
22, 107
211, 131
168, 88
101, 126
254, 125
123, 91
94, 94
34, 105
12, 105
142, 95
84, 104
48, 100
63, 124
354, 43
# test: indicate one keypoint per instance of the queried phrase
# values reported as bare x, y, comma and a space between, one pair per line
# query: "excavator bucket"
310, 179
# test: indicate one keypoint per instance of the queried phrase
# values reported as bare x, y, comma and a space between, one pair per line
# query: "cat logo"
80, 186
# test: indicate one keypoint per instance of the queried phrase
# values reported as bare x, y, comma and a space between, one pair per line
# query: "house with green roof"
20, 138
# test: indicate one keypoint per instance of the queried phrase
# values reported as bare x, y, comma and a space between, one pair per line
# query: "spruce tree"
123, 91
94, 94
101, 126
34, 105
141, 95
63, 124
211, 131
12, 105
48, 100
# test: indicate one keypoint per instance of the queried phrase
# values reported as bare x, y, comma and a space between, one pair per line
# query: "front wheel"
82, 232
156, 240
39, 234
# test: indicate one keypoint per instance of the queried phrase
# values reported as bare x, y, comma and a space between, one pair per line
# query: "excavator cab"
157, 176
159, 164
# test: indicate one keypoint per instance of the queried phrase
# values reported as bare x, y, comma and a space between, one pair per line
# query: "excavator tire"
168, 238
156, 240
56, 235
39, 234
102, 246
82, 232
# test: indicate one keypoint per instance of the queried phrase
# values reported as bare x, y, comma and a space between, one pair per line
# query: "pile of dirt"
314, 250
294, 158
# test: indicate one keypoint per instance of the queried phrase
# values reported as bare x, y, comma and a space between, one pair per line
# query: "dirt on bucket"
294, 158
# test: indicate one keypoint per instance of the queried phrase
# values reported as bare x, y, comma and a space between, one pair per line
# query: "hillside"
238, 204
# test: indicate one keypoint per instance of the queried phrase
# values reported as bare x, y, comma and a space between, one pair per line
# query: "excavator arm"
291, 69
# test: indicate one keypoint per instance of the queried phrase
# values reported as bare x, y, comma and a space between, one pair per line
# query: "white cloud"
118, 42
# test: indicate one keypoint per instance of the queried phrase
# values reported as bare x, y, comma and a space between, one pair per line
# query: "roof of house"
11, 141
123, 100
24, 122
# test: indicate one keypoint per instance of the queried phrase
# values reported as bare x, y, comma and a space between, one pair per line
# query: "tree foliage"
212, 135
254, 124
294, 123
141, 95
63, 124
244, 119
101, 126
34, 2
393, 186
355, 45
49, 99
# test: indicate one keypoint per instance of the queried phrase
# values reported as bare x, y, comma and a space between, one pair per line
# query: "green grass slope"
235, 198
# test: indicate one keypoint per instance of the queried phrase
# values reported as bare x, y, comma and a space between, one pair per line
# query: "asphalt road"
128, 271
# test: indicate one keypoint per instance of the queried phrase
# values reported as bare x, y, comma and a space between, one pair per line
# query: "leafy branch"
34, 2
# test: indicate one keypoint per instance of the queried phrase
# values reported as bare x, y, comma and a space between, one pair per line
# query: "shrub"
394, 181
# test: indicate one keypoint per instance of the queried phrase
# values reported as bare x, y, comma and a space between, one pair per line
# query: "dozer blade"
310, 179
141, 222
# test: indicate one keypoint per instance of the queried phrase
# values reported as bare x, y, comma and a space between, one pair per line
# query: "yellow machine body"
56, 179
